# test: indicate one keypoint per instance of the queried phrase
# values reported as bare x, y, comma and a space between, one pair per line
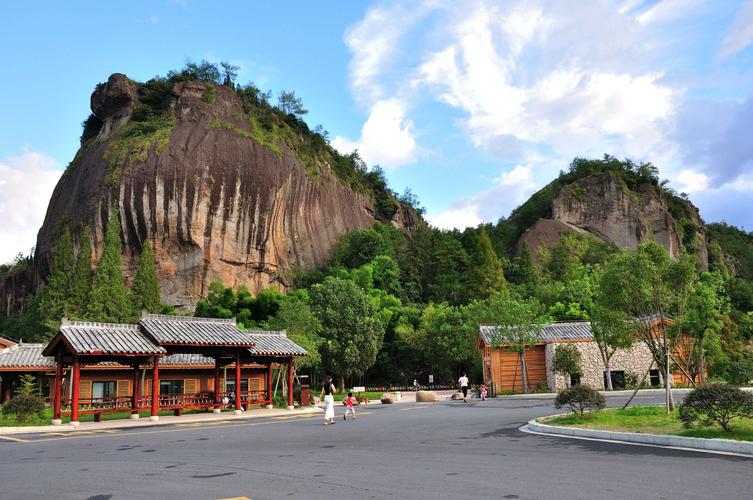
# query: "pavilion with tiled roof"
156, 341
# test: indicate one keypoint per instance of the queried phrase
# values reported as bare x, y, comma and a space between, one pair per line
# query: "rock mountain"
221, 190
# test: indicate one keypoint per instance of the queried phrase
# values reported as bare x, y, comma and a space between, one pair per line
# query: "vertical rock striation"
215, 203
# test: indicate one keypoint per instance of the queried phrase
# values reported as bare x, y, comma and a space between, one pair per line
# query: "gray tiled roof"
186, 359
25, 356
107, 338
190, 330
272, 343
550, 332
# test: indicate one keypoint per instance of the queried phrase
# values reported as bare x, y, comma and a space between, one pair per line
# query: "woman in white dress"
328, 389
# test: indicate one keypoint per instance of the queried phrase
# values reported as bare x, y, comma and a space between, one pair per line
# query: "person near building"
463, 383
327, 394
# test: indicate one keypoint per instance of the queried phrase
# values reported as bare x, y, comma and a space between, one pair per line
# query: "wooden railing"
166, 402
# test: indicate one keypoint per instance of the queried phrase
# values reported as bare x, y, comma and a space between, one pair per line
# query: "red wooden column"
136, 382
155, 389
290, 384
76, 391
269, 385
217, 389
238, 382
57, 395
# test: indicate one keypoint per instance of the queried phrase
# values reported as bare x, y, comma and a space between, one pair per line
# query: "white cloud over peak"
509, 190
26, 184
537, 83
386, 136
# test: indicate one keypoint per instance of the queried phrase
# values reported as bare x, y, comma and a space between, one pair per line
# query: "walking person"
416, 387
328, 389
349, 409
463, 383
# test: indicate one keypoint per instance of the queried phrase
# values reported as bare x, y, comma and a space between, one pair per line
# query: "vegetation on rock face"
108, 300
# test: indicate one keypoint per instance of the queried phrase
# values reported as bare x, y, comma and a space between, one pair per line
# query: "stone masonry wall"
635, 360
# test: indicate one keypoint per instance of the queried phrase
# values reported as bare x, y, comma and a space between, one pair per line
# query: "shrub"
579, 398
566, 361
716, 403
22, 406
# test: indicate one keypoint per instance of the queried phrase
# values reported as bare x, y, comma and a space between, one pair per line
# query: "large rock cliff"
218, 197
602, 205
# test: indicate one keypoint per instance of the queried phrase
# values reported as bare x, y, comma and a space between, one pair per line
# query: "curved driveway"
434, 451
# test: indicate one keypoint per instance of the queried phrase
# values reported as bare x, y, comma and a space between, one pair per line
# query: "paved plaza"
448, 449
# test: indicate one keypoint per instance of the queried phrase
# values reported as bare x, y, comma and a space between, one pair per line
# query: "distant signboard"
431, 379
359, 389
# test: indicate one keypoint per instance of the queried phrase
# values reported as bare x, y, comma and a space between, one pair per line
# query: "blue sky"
472, 104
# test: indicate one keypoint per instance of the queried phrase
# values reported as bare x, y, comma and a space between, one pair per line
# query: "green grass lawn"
46, 418
652, 420
370, 395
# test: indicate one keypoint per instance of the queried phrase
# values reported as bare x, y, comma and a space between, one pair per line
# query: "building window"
102, 390
618, 379
654, 376
230, 385
574, 380
170, 387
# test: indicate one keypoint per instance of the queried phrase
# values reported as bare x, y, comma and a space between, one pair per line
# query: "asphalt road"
432, 451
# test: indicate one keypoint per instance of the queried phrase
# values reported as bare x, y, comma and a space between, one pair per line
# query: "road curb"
145, 422
691, 443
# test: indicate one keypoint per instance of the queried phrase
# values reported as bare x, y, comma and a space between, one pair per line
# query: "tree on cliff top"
145, 288
109, 300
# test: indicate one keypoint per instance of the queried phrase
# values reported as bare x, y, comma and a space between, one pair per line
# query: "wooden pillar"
155, 389
135, 392
57, 395
76, 391
217, 389
290, 384
269, 385
238, 382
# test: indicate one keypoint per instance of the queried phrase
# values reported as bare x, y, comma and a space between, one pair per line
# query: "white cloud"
26, 184
668, 10
691, 182
386, 136
154, 19
509, 190
741, 32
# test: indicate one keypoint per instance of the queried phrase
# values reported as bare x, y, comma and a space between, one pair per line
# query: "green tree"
485, 276
444, 341
145, 287
302, 326
648, 289
81, 281
707, 306
611, 331
230, 71
566, 361
518, 325
352, 331
289, 104
54, 299
109, 301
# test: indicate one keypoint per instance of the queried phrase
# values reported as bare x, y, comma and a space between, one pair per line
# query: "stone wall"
635, 360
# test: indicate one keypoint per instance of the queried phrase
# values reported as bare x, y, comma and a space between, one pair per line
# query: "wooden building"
501, 365
163, 362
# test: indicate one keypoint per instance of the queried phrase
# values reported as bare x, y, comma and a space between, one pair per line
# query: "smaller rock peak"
116, 98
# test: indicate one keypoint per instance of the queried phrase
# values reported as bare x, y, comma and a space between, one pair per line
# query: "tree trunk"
701, 360
342, 382
668, 390
608, 371
523, 374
